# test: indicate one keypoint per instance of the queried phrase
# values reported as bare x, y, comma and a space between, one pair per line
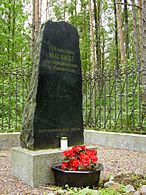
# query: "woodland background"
113, 54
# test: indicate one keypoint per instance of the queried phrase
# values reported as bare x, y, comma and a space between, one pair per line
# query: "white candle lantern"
64, 143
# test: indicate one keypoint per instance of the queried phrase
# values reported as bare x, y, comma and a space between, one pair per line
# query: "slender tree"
64, 9
126, 29
116, 38
140, 23
36, 17
93, 57
13, 31
47, 10
33, 29
97, 7
121, 38
144, 56
35, 23
135, 29
40, 12
103, 51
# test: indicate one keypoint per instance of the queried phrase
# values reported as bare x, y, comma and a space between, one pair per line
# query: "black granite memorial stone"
54, 104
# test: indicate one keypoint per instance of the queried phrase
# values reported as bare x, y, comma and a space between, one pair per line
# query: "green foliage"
15, 63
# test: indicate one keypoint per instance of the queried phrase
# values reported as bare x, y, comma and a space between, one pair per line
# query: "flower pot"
77, 178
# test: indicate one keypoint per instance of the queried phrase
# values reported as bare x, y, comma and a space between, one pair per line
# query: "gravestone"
54, 104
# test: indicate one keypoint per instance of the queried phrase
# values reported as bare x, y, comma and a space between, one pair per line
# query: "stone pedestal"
34, 167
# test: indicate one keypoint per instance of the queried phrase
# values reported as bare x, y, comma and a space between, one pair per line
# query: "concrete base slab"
34, 167
8, 140
132, 142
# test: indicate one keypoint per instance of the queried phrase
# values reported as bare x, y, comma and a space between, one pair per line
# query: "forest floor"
115, 162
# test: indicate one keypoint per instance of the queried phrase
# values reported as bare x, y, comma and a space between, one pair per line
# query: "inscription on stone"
61, 60
54, 105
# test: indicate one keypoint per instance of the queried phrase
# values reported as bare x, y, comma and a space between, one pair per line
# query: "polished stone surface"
54, 104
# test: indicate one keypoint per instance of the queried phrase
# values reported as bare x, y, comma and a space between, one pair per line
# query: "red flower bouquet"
80, 158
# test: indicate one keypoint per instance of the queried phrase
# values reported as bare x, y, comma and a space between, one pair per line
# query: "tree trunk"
35, 24
36, 17
99, 35
97, 32
75, 13
9, 31
126, 29
122, 48
135, 29
33, 29
116, 38
93, 61
47, 10
64, 10
103, 52
40, 12
13, 33
144, 56
75, 7
140, 23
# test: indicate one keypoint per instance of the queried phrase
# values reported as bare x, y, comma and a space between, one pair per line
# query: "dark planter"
76, 178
